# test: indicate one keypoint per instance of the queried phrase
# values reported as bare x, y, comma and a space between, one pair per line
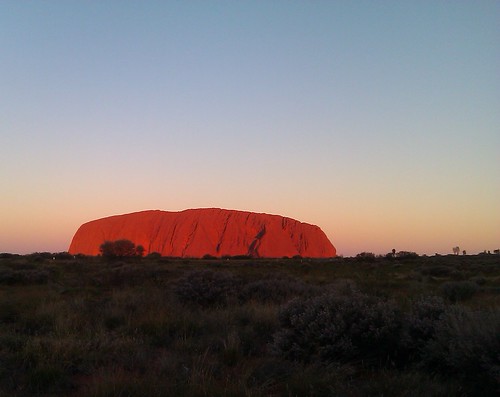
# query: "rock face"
197, 232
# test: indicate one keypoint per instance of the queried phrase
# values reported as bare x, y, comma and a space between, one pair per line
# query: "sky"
377, 121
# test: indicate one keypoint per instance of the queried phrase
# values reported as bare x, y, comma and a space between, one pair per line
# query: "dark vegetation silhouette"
120, 249
392, 325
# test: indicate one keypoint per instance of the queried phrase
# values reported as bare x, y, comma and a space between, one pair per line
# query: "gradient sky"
377, 121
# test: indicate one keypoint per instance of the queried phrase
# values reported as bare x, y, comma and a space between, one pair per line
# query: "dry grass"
177, 327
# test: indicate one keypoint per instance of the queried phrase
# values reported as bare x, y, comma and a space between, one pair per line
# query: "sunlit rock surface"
208, 231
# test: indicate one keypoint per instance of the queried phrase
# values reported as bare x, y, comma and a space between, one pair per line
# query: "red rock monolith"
195, 233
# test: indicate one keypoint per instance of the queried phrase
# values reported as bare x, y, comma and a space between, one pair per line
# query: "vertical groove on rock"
190, 238
253, 249
172, 237
155, 232
222, 234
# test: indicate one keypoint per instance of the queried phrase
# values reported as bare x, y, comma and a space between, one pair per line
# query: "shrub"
274, 290
268, 371
38, 323
63, 255
338, 328
139, 251
467, 344
479, 280
123, 274
7, 255
28, 276
456, 291
9, 311
420, 324
47, 379
257, 325
8, 276
437, 270
240, 257
206, 288
407, 255
410, 383
40, 256
365, 257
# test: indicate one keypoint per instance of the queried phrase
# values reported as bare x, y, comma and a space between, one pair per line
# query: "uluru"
195, 233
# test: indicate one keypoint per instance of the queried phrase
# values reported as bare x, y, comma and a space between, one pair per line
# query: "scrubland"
365, 326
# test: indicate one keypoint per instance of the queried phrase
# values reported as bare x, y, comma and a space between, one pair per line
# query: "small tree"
140, 250
124, 248
118, 249
107, 249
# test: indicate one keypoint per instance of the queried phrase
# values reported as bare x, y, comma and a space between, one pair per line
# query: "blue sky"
377, 121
